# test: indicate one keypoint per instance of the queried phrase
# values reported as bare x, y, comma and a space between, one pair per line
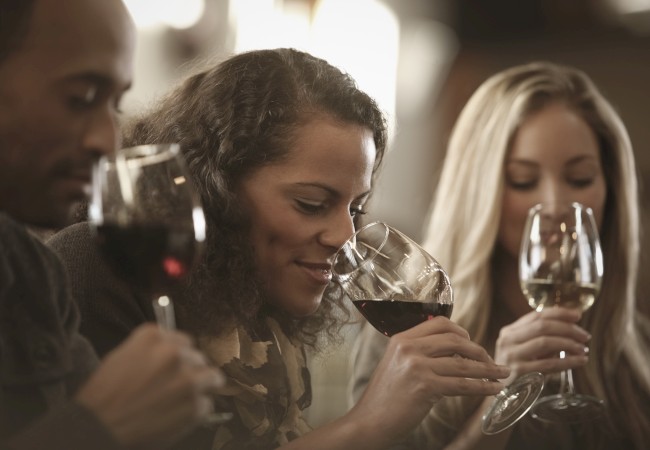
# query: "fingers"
457, 366
550, 365
534, 342
545, 346
440, 337
153, 387
554, 313
449, 386
542, 324
437, 325
446, 355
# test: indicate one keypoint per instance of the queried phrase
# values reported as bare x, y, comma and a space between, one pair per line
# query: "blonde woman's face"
554, 159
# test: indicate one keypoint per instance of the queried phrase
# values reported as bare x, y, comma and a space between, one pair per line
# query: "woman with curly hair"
283, 148
538, 133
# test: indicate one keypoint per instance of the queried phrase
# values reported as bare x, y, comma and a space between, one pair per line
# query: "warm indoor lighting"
173, 13
360, 37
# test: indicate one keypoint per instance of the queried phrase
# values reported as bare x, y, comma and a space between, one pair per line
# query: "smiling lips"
319, 273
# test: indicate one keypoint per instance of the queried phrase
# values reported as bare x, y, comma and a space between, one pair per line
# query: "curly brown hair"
230, 120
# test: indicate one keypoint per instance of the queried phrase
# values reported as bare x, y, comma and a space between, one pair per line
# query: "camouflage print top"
269, 387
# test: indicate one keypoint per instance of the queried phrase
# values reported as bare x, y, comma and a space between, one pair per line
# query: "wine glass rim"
341, 250
145, 153
573, 204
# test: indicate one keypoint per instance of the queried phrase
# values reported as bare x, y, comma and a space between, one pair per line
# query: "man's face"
59, 97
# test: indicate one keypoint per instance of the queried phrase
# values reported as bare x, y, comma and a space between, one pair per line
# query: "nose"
102, 133
554, 199
338, 230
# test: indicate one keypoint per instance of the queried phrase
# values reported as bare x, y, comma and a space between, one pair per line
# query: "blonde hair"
464, 221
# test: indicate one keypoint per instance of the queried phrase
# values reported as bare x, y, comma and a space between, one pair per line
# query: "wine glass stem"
566, 380
164, 310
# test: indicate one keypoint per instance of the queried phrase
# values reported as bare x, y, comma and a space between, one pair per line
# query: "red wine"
394, 316
152, 257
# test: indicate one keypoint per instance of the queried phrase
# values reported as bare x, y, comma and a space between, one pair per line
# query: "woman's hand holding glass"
404, 293
422, 364
533, 342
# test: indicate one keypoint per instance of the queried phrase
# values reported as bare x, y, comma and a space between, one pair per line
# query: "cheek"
273, 236
596, 199
514, 212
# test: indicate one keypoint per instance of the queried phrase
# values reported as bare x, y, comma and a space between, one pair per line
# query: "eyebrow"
574, 160
331, 190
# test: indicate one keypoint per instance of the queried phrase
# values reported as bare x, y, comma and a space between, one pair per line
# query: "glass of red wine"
148, 220
149, 224
395, 284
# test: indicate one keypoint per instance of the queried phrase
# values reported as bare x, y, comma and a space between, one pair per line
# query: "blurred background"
421, 60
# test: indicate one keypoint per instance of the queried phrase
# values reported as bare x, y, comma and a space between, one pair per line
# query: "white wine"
546, 293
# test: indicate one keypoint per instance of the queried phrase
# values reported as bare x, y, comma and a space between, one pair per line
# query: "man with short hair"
64, 66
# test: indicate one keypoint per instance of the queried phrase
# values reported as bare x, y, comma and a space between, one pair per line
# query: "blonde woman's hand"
533, 342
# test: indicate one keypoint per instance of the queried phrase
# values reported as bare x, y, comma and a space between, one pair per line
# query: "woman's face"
554, 159
302, 209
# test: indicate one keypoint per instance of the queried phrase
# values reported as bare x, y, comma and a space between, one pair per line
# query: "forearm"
471, 437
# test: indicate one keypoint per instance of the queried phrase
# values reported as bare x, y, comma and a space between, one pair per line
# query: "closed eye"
522, 185
310, 207
586, 182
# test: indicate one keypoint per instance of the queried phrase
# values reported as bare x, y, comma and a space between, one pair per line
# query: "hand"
534, 341
419, 367
151, 389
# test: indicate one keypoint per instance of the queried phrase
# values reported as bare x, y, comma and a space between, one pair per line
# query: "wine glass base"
512, 403
568, 408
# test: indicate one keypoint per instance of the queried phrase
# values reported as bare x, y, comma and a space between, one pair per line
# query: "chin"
303, 308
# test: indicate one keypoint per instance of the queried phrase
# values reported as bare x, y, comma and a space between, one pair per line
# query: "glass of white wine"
561, 264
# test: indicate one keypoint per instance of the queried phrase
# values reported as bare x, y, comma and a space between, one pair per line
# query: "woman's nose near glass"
338, 229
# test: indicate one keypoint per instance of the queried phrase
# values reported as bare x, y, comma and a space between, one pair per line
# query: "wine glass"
147, 220
149, 224
396, 284
561, 264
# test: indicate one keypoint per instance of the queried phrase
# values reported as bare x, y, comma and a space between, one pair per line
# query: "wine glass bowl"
146, 217
391, 280
561, 264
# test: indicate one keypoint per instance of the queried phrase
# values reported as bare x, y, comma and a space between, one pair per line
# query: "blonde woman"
531, 134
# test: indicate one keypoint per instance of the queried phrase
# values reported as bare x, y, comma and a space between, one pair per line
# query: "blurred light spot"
630, 6
361, 37
173, 13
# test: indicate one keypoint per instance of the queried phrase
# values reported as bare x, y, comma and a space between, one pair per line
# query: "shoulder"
75, 246
77, 236
14, 236
20, 251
